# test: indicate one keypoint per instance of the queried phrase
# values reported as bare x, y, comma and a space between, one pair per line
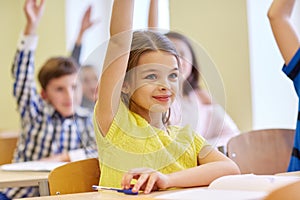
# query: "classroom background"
234, 34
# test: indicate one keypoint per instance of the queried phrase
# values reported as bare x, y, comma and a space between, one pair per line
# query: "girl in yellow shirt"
139, 82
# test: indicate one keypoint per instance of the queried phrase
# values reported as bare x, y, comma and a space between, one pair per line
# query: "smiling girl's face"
154, 83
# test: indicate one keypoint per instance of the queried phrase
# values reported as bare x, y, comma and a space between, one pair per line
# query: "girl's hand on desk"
146, 179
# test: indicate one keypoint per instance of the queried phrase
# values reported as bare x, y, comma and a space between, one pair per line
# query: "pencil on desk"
125, 191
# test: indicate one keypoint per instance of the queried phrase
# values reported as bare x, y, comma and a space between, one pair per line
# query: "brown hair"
192, 82
147, 41
56, 67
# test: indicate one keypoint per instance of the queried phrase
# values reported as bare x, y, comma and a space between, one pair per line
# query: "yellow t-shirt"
132, 142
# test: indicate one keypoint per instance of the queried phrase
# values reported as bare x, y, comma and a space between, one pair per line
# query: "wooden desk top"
103, 195
21, 178
188, 193
178, 194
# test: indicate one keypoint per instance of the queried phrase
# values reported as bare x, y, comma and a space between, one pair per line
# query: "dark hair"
56, 67
192, 82
147, 41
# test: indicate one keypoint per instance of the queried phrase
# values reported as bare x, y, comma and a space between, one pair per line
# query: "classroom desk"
190, 194
174, 194
24, 179
103, 195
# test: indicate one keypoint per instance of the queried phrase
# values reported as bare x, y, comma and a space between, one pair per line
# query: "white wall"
273, 97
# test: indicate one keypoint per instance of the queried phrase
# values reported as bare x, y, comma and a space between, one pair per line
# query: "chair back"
74, 177
266, 151
8, 143
288, 192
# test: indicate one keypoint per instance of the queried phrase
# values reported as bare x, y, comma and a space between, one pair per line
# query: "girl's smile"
163, 98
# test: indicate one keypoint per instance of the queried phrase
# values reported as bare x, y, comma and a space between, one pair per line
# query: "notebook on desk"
212, 194
31, 166
234, 187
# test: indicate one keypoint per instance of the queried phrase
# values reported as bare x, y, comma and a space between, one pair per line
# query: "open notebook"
234, 187
31, 166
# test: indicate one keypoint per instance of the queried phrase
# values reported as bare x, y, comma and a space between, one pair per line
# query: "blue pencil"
125, 191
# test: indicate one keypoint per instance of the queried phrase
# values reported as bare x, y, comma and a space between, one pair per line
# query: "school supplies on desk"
125, 191
234, 187
252, 182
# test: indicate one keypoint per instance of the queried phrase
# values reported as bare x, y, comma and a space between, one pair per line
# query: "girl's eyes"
151, 76
154, 76
173, 76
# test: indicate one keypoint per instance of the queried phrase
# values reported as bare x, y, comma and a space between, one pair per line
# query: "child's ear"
125, 87
44, 94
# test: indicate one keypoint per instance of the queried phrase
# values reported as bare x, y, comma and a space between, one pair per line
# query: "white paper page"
251, 182
213, 194
31, 166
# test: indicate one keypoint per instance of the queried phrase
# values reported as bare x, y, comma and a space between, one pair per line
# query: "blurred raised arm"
153, 14
279, 15
86, 23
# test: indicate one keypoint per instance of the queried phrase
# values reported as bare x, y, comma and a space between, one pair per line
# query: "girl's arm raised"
279, 15
115, 63
153, 14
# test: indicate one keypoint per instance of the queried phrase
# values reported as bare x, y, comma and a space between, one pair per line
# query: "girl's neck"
153, 118
157, 122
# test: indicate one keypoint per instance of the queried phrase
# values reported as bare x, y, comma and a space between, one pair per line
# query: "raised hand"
86, 23
86, 20
33, 12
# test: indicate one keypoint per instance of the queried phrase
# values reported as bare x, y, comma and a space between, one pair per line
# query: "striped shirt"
44, 131
292, 70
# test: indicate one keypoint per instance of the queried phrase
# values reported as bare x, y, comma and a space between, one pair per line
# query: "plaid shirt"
44, 131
